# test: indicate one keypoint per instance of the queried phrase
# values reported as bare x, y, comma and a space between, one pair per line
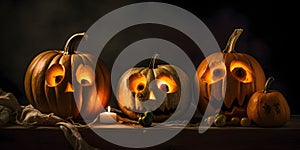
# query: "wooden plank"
288, 136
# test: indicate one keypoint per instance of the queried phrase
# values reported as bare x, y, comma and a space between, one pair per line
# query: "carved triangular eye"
214, 73
137, 82
55, 75
85, 75
166, 83
241, 72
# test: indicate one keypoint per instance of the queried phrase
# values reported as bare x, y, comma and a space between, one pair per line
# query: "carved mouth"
160, 110
236, 110
235, 104
164, 112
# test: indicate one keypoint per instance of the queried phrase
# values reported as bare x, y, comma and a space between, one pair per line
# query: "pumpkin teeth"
167, 108
139, 109
164, 110
235, 104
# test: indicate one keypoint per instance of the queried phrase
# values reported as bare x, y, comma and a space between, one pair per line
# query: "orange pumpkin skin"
49, 86
229, 76
268, 108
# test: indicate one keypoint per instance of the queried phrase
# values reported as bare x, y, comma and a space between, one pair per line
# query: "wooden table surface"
228, 137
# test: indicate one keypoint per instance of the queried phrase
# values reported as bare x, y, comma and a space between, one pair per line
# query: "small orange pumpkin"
268, 108
49, 86
229, 76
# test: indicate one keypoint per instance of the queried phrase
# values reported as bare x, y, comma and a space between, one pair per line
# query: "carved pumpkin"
49, 87
268, 108
229, 76
155, 89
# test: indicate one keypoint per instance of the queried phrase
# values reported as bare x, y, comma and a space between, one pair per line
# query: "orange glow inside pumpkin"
152, 96
241, 71
215, 73
85, 75
167, 84
55, 75
137, 82
69, 88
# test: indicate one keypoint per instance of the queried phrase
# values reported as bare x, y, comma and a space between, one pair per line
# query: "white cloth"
28, 116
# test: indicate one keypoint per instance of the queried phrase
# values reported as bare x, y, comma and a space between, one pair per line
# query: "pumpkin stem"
232, 40
153, 60
267, 85
70, 44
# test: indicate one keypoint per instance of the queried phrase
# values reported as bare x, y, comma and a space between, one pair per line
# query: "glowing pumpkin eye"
137, 82
140, 87
241, 72
85, 75
166, 84
215, 73
55, 75
164, 87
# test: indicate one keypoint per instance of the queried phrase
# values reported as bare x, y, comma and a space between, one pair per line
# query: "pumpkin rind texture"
268, 109
229, 76
152, 89
68, 83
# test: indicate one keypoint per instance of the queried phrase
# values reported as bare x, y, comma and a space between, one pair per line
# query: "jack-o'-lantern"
68, 83
268, 108
229, 76
155, 89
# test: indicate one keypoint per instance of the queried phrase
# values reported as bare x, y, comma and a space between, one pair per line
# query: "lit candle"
108, 117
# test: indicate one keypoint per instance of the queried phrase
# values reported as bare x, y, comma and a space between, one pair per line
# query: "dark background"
30, 27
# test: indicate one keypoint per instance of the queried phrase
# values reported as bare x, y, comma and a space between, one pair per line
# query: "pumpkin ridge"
87, 59
60, 99
239, 95
150, 76
260, 114
230, 94
259, 69
105, 78
28, 77
249, 59
39, 83
73, 107
54, 58
77, 104
72, 104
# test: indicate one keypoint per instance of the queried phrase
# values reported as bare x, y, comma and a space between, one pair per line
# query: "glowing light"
215, 73
69, 88
55, 75
85, 75
137, 82
152, 96
167, 84
241, 72
108, 109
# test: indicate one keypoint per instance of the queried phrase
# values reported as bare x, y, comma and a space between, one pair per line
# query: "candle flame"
108, 108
